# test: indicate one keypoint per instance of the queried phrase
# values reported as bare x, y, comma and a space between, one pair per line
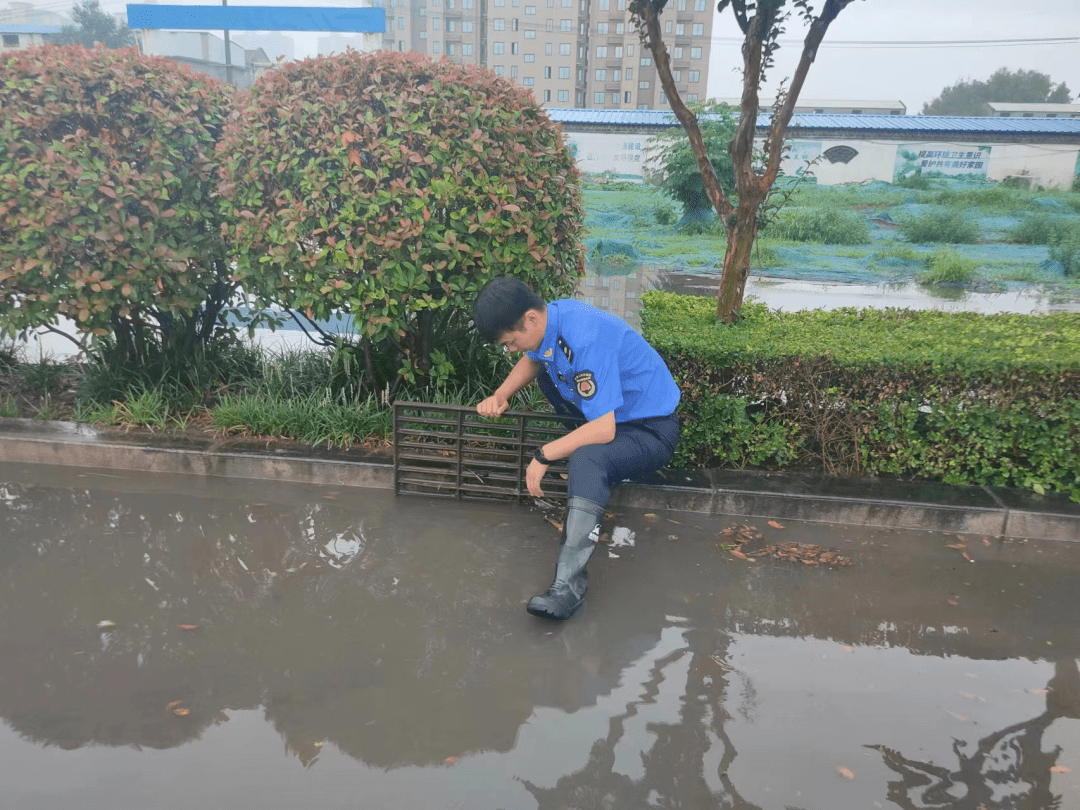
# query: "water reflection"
392, 631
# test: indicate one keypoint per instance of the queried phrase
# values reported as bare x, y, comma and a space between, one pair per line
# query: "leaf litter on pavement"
743, 542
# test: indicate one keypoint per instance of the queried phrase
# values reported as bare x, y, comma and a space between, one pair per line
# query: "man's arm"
596, 431
523, 373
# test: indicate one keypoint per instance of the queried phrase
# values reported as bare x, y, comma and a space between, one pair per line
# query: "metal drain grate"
452, 451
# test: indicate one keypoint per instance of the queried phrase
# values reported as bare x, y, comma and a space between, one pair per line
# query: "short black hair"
500, 305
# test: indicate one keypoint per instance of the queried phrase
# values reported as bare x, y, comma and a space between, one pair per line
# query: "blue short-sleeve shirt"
600, 364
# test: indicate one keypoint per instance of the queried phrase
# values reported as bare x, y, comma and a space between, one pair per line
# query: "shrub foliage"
107, 212
393, 187
955, 397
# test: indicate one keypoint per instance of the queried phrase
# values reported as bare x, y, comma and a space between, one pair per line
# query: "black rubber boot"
582, 530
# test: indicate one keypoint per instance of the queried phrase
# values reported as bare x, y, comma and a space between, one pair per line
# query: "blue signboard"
258, 18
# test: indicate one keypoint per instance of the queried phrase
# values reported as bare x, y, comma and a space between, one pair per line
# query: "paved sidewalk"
986, 511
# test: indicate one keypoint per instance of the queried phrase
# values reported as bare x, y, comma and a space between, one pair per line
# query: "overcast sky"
846, 68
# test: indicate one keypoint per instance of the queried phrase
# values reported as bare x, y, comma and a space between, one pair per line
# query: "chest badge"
585, 384
547, 354
564, 347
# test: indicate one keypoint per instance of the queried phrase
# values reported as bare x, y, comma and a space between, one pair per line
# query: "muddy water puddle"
176, 642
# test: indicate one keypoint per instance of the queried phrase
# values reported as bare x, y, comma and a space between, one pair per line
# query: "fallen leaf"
329, 496
966, 557
955, 545
672, 520
727, 532
1060, 769
188, 626
172, 705
847, 648
986, 542
954, 602
776, 524
959, 717
105, 625
451, 760
649, 516
1038, 691
847, 773
734, 552
180, 711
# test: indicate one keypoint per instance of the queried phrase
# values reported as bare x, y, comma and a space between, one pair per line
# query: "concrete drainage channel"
986, 511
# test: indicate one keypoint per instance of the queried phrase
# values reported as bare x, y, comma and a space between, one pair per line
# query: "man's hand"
533, 475
493, 406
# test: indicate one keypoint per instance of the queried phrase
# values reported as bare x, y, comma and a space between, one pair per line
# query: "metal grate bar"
451, 451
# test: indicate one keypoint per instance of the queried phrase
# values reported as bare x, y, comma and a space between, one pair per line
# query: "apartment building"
569, 53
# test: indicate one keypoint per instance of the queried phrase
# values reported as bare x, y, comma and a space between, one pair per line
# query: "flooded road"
178, 642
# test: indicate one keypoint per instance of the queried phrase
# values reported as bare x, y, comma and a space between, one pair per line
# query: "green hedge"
962, 398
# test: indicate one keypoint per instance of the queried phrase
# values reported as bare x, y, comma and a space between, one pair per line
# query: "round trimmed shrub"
392, 187
107, 211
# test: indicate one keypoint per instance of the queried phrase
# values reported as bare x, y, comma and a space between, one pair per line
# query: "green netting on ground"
1010, 242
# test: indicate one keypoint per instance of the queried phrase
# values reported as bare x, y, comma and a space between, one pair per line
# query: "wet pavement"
179, 642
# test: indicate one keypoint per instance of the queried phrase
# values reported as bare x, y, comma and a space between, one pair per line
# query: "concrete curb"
987, 511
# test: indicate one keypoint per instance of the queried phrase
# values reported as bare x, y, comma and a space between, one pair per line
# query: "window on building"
601, 28
676, 75
547, 95
450, 25
564, 73
567, 3
582, 30
699, 29
564, 95
500, 70
498, 24
466, 26
626, 97
528, 81
643, 85
580, 96
629, 74
615, 98
663, 98
530, 34
529, 57
436, 23
619, 28
466, 49
498, 48
401, 45
695, 53
423, 35
514, 48
677, 52
618, 51
515, 24
621, 5
699, 5
682, 5
646, 61
436, 46
694, 76
566, 25
601, 51
467, 4
547, 72
400, 23
530, 10
604, 5
668, 26
580, 75
513, 71
549, 25
629, 50
548, 49
451, 49
564, 49
598, 98
601, 75
450, 3
691, 96
680, 29
616, 75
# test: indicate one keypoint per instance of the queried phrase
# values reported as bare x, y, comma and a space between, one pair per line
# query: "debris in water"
188, 626
622, 536
806, 553
776, 524
847, 773
1060, 769
105, 624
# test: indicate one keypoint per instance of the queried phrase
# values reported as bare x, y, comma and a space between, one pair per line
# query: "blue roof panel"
28, 28
833, 121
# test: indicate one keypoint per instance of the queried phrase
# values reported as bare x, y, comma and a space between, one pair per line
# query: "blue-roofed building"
17, 36
855, 148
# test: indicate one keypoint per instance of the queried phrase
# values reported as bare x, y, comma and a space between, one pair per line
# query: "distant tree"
671, 153
1019, 87
92, 25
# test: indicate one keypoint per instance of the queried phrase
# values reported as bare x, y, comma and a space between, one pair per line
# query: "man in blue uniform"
591, 365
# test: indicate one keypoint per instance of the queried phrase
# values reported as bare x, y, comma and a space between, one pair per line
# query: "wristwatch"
539, 456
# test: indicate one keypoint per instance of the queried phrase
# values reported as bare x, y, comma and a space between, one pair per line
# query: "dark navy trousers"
640, 447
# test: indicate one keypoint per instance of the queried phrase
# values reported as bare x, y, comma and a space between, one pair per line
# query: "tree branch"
651, 38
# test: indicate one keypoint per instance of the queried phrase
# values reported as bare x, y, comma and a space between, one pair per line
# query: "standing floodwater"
175, 642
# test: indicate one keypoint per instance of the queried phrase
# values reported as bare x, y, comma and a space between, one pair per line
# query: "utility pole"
228, 55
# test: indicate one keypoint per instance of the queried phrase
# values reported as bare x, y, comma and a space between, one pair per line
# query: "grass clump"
1067, 251
315, 419
828, 226
940, 226
1043, 229
948, 267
